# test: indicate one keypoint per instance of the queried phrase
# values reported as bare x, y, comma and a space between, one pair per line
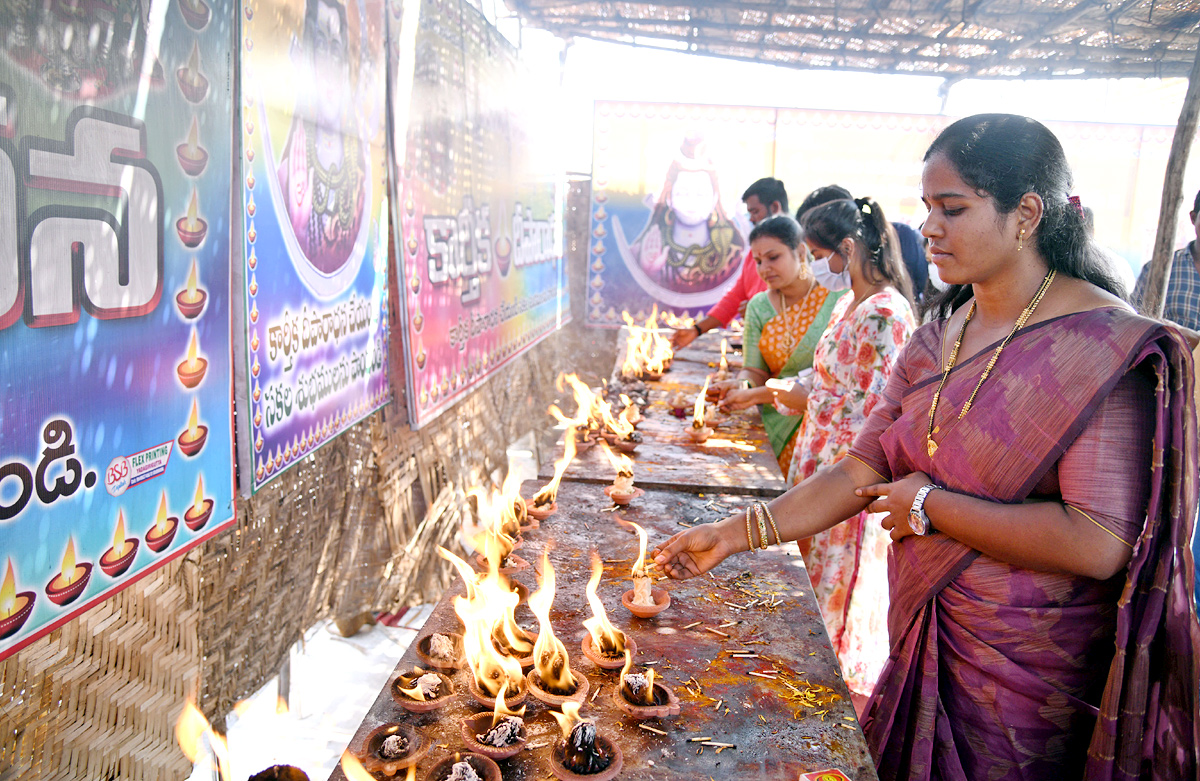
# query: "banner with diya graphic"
479, 212
116, 429
312, 357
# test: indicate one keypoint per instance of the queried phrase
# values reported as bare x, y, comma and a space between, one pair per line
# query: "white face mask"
935, 278
827, 279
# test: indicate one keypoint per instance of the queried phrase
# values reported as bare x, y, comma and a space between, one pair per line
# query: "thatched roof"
955, 39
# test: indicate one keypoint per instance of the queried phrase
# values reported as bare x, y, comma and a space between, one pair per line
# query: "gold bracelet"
762, 525
771, 518
749, 539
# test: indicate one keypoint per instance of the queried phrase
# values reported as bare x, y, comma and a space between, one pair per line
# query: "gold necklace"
793, 340
1024, 318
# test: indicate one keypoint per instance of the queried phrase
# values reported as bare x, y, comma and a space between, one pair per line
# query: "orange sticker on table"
824, 775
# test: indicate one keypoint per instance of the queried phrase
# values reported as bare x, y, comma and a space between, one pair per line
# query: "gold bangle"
771, 518
762, 525
749, 539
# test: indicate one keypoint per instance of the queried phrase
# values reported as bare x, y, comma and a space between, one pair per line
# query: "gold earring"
1021, 241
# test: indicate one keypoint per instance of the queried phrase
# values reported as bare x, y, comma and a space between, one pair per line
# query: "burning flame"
639, 566
569, 718
193, 429
354, 770
620, 462
193, 140
547, 495
647, 696
120, 543
607, 638
8, 593
199, 501
672, 320
193, 211
698, 415
193, 285
501, 710
630, 413
192, 730
646, 350
160, 524
724, 366
69, 571
193, 66
192, 353
493, 671
550, 656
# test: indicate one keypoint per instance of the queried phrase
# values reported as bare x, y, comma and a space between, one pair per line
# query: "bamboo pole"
1160, 262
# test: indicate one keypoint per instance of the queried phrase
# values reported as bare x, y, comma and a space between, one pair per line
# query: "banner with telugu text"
479, 213
668, 226
312, 349
116, 453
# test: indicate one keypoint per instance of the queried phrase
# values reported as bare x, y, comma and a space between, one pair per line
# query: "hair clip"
865, 208
1074, 199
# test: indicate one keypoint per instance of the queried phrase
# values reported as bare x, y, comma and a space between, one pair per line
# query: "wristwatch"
918, 521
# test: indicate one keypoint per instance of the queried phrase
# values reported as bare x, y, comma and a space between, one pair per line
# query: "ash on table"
462, 771
393, 747
506, 733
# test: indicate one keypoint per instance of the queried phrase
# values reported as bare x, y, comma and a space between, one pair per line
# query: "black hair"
830, 192
1005, 156
1196, 203
768, 191
861, 220
781, 227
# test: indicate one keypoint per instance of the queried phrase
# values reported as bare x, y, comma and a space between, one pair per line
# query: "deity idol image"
689, 246
323, 184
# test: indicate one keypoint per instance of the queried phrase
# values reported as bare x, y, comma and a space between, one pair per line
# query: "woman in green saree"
783, 325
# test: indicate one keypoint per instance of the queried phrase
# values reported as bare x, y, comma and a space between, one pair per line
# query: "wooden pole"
1164, 242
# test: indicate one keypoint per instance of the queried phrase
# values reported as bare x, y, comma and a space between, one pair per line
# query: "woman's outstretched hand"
695, 551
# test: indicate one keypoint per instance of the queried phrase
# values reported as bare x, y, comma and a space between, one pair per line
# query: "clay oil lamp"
642, 697
15, 607
498, 548
543, 504
192, 369
631, 413
192, 227
393, 747
190, 301
65, 587
159, 536
723, 367
622, 491
497, 735
583, 754
280, 773
618, 431
192, 83
465, 767
604, 644
198, 514
192, 157
117, 559
422, 692
551, 680
643, 600
699, 433
191, 439
442, 650
197, 739
679, 404
195, 12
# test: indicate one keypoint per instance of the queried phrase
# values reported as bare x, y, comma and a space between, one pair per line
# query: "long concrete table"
793, 716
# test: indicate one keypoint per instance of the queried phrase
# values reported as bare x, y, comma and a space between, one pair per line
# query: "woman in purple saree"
1036, 455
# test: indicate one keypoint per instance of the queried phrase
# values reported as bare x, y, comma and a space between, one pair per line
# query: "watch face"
919, 523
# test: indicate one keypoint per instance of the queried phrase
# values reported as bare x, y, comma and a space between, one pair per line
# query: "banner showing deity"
311, 360
115, 372
479, 215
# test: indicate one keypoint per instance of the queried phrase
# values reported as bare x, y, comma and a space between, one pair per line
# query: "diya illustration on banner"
122, 350
314, 212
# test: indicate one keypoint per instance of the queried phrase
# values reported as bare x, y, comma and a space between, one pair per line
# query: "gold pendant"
932, 446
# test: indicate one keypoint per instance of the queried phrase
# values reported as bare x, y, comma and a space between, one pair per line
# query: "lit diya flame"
8, 593
195, 78
194, 733
583, 754
423, 686
623, 466
630, 413
163, 525
191, 371
638, 688
193, 140
672, 320
120, 542
642, 595
192, 439
607, 639
546, 496
502, 711
550, 658
354, 770
193, 212
66, 586
698, 414
723, 368
15, 608
197, 515
493, 671
190, 300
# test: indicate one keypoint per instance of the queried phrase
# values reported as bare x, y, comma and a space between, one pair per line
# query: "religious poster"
479, 208
312, 351
116, 430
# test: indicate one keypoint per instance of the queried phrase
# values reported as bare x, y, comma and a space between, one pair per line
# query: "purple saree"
998, 672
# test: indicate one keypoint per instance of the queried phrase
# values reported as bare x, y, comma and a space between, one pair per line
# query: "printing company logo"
124, 472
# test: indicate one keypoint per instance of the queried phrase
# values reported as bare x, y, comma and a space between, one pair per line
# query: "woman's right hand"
695, 551
717, 390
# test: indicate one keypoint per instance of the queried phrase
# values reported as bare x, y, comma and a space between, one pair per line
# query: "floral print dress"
848, 563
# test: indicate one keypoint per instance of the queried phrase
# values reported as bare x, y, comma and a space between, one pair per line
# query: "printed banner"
312, 358
116, 453
479, 213
667, 183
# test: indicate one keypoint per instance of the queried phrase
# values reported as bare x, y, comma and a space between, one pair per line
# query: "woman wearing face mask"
783, 324
854, 247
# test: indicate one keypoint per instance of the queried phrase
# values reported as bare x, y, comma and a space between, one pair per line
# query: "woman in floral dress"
854, 247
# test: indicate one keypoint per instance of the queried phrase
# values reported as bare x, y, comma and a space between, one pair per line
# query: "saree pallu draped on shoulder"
995, 671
